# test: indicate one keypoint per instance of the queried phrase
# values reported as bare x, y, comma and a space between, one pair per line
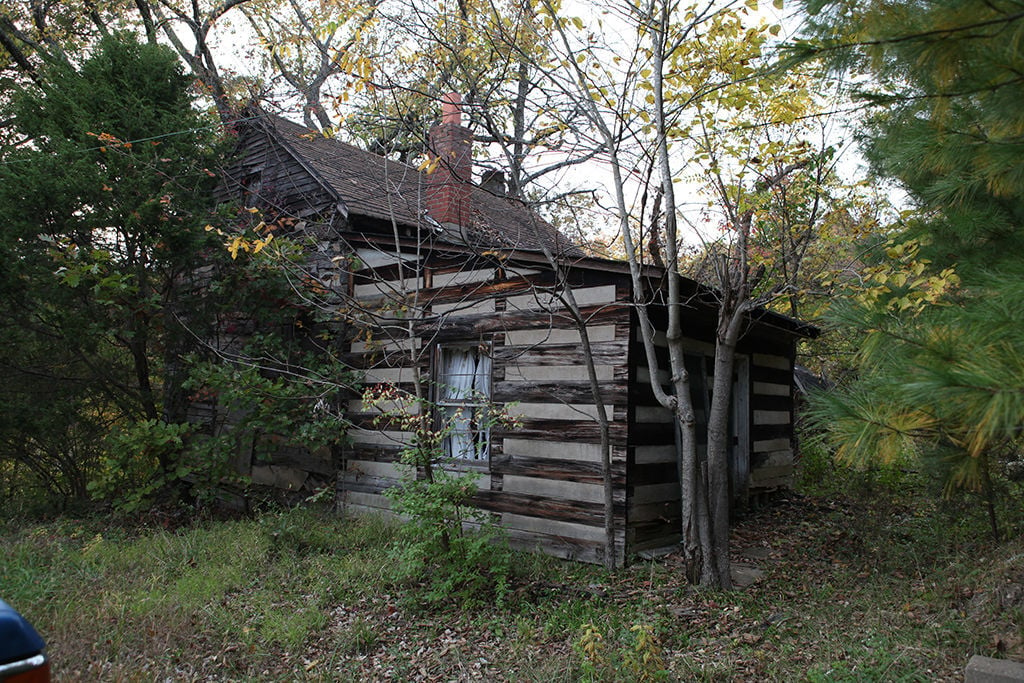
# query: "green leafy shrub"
141, 459
453, 550
635, 656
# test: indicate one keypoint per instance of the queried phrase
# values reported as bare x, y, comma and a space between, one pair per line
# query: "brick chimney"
448, 187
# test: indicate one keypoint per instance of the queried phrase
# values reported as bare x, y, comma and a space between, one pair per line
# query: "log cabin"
464, 291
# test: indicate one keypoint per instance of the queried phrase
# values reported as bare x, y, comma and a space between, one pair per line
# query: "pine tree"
941, 375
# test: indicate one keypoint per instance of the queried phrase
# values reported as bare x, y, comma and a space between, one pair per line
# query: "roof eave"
278, 138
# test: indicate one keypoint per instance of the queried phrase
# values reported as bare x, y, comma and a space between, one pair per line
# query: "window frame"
481, 438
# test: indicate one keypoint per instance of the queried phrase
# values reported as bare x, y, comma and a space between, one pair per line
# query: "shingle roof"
378, 188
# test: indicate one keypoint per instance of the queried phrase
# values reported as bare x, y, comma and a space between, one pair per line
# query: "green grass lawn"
865, 589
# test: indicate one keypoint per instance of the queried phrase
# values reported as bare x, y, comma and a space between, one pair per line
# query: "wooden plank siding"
653, 497
543, 479
772, 454
264, 175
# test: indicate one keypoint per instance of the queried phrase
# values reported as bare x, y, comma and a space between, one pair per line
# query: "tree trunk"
718, 457
695, 526
569, 299
990, 498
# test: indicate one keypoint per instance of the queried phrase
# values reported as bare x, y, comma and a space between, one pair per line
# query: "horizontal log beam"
568, 391
583, 431
373, 453
603, 353
590, 514
472, 326
562, 470
759, 373
653, 473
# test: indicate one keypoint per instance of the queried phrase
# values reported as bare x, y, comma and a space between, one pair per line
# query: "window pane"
458, 374
482, 381
464, 441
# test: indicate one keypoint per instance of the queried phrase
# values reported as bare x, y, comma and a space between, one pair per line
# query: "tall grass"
878, 586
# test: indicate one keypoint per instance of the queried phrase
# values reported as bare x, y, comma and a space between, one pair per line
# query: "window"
463, 391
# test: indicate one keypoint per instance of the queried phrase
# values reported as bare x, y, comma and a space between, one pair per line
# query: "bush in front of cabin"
450, 548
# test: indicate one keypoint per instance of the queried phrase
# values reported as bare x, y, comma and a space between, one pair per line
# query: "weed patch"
866, 589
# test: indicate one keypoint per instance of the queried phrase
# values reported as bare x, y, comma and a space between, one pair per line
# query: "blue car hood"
18, 639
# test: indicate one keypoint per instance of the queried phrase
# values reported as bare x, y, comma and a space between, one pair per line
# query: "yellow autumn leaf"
235, 245
259, 244
429, 165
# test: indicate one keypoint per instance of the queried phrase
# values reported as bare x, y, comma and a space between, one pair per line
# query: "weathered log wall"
771, 401
264, 174
762, 454
543, 479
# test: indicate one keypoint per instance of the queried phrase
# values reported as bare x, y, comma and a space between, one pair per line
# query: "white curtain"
482, 385
458, 374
